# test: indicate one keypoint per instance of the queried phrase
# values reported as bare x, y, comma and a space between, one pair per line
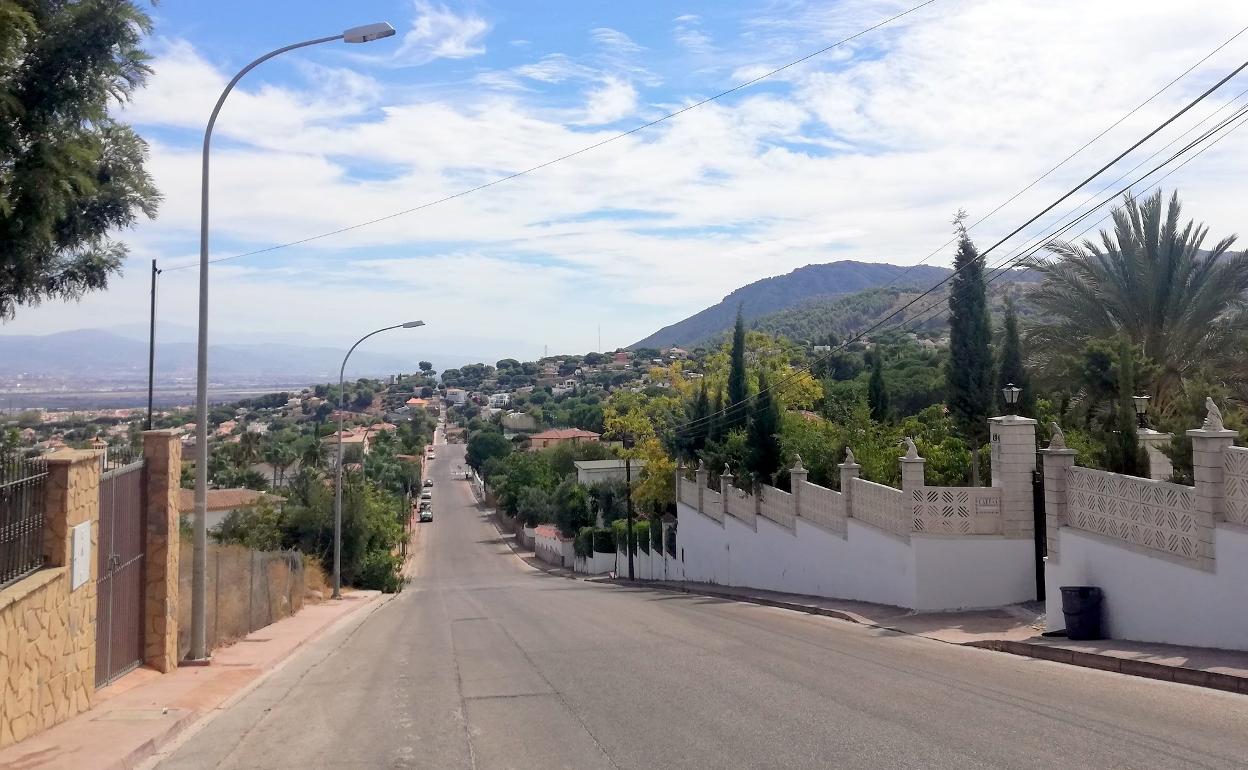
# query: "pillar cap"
72, 456
1011, 419
1204, 433
1063, 452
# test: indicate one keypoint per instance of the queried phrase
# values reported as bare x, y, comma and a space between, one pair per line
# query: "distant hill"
102, 354
843, 316
770, 295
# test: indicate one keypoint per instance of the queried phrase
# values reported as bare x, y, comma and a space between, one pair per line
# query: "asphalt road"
484, 662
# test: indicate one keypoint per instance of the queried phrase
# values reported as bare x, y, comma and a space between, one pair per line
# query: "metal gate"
119, 615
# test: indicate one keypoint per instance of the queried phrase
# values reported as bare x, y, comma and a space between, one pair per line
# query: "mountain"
780, 292
103, 355
785, 291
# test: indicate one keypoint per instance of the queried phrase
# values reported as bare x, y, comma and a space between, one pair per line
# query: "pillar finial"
849, 456
797, 463
1213, 416
912, 451
1057, 439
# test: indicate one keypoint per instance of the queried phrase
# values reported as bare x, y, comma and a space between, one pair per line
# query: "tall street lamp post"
629, 442
1011, 393
342, 406
1141, 409
199, 647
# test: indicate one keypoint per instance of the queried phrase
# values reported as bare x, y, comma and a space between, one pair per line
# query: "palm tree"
313, 454
1149, 282
249, 447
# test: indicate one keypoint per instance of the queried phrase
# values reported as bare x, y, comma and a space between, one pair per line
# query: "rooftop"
561, 433
223, 499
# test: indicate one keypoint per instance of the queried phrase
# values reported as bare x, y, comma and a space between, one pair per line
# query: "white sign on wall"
80, 561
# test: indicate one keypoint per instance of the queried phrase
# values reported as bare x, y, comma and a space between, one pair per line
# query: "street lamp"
1141, 409
1011, 394
342, 406
629, 442
199, 563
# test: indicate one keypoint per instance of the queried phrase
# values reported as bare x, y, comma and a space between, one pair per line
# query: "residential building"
549, 438
590, 472
500, 400
456, 396
226, 428
223, 502
519, 422
677, 354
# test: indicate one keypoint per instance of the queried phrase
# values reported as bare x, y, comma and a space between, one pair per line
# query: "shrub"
583, 544
379, 571
641, 533
619, 531
604, 540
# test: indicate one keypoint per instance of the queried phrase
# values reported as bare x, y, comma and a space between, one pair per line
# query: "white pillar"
1159, 466
797, 477
1207, 450
1057, 461
1013, 462
849, 471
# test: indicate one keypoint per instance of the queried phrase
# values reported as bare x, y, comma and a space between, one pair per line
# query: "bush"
656, 535
583, 544
619, 532
379, 571
604, 540
641, 535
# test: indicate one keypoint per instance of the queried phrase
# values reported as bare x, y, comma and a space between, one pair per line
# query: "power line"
1065, 160
574, 153
982, 255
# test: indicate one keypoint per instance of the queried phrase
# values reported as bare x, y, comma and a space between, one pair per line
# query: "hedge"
583, 544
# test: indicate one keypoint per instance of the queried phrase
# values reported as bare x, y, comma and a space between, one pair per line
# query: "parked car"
426, 515
428, 483
426, 495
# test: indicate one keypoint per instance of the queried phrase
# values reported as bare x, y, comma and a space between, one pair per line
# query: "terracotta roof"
561, 433
223, 499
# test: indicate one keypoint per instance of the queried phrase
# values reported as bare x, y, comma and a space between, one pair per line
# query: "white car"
426, 495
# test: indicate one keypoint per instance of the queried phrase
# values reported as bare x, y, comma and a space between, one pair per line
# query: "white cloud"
614, 99
957, 110
437, 32
615, 40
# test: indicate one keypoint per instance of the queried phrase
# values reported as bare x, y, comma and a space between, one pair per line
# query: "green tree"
877, 392
969, 372
1123, 453
570, 501
534, 506
1151, 281
426, 367
738, 390
764, 434
485, 444
70, 175
1011, 369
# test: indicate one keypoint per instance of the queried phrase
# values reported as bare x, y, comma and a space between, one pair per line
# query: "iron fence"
117, 456
21, 516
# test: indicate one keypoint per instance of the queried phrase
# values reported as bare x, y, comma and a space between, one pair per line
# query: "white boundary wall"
868, 564
1152, 599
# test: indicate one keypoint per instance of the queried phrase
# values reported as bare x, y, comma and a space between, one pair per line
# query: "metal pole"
628, 482
342, 400
151, 347
199, 565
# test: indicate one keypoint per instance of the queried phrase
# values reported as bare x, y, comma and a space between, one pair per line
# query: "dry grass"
315, 581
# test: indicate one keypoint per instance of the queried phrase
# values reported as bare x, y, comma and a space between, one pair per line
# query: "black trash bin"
1082, 607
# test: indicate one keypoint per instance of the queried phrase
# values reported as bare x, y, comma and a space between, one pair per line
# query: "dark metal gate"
119, 615
1040, 530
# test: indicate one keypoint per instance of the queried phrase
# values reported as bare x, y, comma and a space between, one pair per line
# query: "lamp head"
1141, 404
368, 33
1011, 393
413, 324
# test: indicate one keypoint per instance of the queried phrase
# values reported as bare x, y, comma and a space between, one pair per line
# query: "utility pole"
151, 347
627, 440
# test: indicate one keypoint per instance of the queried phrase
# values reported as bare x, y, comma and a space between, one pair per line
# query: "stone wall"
47, 658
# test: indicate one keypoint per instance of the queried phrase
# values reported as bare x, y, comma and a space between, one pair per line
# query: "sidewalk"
1014, 629
144, 710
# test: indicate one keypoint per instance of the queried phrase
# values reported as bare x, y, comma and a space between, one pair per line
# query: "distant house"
519, 421
222, 502
500, 400
226, 428
456, 395
677, 354
549, 438
590, 472
258, 427
621, 360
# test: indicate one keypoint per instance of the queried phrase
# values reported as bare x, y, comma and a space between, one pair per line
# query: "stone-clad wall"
47, 654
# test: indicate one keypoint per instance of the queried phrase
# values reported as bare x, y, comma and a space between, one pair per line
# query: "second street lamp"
1011, 393
342, 406
199, 554
1141, 409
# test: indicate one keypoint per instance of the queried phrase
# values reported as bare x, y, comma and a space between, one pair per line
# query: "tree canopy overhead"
69, 173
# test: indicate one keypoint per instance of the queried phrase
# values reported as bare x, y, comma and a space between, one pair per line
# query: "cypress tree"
1123, 453
699, 413
737, 390
764, 433
715, 425
877, 393
1011, 368
969, 376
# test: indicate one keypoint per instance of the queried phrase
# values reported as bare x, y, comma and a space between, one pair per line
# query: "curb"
809, 609
1126, 666
1141, 668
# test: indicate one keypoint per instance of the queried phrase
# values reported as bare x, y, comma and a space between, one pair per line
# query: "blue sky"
865, 152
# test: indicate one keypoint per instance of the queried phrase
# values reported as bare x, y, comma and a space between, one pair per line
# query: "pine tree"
969, 375
1011, 369
877, 393
738, 392
1123, 453
764, 433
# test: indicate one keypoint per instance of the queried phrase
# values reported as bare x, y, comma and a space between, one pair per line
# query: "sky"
864, 152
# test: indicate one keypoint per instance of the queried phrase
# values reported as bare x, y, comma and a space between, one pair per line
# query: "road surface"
484, 662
